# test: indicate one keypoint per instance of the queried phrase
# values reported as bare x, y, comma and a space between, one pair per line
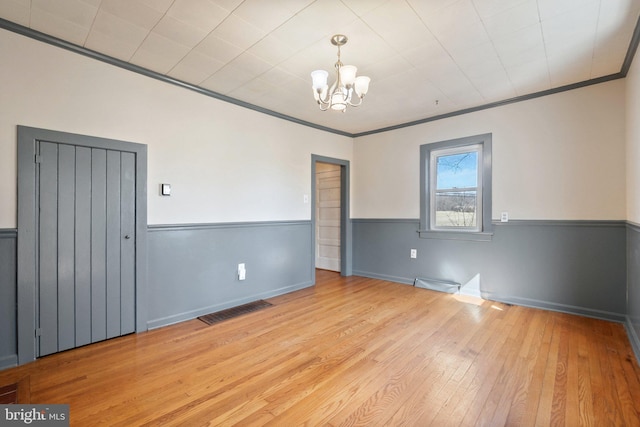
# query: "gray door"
85, 245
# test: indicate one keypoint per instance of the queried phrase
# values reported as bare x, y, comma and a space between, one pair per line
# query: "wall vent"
230, 313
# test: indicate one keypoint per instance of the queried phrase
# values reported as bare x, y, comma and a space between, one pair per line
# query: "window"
456, 194
455, 189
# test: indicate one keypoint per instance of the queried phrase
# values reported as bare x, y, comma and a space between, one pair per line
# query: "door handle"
126, 236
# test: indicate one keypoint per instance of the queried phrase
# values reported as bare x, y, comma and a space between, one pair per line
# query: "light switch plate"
165, 189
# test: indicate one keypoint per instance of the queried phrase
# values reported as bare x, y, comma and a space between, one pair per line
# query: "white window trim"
484, 230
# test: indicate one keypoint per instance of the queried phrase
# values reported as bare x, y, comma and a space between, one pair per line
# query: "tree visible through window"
457, 189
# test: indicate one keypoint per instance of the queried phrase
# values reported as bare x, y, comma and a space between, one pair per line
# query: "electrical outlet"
242, 272
504, 217
414, 253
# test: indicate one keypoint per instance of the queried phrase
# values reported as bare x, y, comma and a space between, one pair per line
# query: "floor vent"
437, 285
9, 394
230, 313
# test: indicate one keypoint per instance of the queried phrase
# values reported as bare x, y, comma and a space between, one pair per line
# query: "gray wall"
633, 287
193, 268
8, 331
578, 267
572, 266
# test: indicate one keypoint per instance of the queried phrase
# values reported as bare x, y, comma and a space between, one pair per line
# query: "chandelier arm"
326, 100
360, 98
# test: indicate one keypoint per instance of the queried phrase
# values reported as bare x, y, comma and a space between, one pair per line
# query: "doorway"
331, 227
81, 239
328, 216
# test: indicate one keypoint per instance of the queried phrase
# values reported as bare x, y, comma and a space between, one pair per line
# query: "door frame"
27, 227
346, 239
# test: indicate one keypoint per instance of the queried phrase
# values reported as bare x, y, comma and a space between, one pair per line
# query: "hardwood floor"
351, 351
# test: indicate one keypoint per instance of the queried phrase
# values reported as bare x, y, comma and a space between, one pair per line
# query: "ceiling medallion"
342, 91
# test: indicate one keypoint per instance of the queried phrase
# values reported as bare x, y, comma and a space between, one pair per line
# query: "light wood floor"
352, 351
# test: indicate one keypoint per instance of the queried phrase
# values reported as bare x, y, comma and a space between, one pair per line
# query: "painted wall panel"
8, 299
98, 245
48, 249
555, 157
83, 247
633, 283
66, 246
563, 265
193, 269
225, 163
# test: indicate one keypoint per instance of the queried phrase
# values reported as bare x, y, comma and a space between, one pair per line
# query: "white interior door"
328, 193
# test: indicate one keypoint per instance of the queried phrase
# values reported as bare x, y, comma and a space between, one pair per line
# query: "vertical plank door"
86, 245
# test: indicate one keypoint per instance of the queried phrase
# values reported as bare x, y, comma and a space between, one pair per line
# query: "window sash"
434, 192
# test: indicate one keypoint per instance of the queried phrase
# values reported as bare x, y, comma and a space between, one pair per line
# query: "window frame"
484, 229
433, 192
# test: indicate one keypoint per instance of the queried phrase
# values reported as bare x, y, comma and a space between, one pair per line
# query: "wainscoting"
8, 289
193, 268
570, 266
632, 323
193, 271
590, 268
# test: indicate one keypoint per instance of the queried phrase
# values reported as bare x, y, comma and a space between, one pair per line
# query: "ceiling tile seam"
84, 43
473, 3
405, 57
63, 44
128, 23
434, 37
351, 9
245, 50
500, 58
140, 45
595, 39
273, 66
544, 43
496, 104
39, 36
181, 21
201, 40
445, 50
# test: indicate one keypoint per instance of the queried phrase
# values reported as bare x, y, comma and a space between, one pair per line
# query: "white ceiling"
460, 53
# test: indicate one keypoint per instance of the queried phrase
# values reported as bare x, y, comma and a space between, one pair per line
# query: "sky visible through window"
457, 171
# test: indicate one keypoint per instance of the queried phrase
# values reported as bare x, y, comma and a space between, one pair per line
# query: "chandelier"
346, 90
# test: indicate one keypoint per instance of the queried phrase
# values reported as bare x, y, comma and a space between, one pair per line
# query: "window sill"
482, 236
